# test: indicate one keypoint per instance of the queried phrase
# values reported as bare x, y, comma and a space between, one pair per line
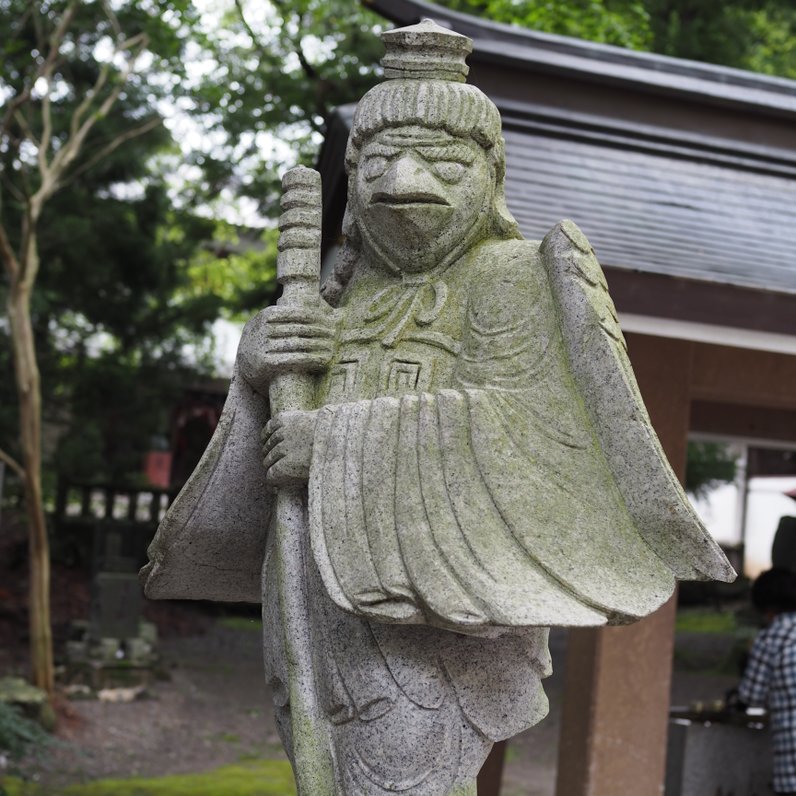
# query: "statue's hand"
287, 447
286, 339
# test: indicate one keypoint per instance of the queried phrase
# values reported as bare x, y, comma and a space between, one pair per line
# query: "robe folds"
458, 479
482, 459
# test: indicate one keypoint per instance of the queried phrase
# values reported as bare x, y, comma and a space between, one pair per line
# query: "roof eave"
527, 50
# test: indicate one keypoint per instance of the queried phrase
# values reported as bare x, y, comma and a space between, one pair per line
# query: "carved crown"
426, 51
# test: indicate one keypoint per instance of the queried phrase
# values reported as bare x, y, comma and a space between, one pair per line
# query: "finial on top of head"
426, 51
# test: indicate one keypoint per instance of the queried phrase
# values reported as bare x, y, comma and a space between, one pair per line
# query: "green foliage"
118, 319
759, 35
244, 623
625, 23
281, 68
114, 316
228, 737
238, 270
749, 34
709, 465
264, 778
771, 44
17, 733
117, 402
701, 620
84, 69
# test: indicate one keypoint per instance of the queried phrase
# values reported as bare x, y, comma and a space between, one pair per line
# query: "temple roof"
674, 169
680, 210
519, 48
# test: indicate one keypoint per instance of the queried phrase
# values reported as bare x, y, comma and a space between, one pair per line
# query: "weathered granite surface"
457, 457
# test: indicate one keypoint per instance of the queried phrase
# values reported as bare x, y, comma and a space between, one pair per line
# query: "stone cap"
426, 51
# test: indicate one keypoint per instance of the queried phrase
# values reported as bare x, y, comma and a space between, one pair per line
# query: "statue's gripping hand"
282, 339
287, 447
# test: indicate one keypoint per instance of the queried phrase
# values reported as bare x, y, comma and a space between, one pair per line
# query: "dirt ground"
215, 710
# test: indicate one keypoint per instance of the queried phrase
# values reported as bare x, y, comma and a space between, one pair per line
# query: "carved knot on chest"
416, 299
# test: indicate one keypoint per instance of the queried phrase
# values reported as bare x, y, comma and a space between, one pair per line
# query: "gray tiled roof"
686, 196
682, 208
654, 212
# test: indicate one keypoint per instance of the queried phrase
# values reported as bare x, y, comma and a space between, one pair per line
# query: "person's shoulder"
779, 636
784, 625
783, 622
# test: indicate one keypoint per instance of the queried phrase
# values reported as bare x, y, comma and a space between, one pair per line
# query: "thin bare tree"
52, 164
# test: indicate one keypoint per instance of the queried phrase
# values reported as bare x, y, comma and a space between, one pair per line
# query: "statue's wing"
210, 544
600, 364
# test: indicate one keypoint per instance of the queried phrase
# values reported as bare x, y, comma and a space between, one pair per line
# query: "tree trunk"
29, 395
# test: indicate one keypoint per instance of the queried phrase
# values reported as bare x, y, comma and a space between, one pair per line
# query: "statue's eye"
449, 171
375, 166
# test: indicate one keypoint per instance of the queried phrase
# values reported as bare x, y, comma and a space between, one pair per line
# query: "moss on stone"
262, 778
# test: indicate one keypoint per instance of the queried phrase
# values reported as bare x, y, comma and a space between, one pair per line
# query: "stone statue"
457, 455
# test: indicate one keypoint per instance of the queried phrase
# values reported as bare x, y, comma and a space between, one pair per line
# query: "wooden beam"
751, 422
740, 376
663, 296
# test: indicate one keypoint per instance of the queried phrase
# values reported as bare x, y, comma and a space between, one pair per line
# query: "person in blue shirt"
770, 676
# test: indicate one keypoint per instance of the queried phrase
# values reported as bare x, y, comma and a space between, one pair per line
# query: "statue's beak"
409, 198
408, 182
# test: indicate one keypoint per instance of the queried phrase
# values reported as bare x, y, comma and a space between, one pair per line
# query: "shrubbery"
19, 734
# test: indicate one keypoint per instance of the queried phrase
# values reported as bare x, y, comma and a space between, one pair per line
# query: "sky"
765, 507
766, 502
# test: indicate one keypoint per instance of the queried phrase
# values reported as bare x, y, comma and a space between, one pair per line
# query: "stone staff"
298, 271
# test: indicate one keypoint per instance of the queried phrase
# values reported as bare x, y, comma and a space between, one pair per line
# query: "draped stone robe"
458, 503
456, 478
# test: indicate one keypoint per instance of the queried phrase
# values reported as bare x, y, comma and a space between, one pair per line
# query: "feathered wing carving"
211, 543
600, 365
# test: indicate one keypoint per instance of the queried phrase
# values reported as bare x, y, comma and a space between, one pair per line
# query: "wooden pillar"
616, 694
491, 774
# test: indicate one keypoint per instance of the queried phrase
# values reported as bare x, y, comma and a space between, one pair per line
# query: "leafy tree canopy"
625, 23
282, 65
112, 313
710, 464
759, 35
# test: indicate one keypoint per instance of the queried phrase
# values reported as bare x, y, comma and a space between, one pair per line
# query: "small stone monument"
116, 596
115, 647
457, 455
